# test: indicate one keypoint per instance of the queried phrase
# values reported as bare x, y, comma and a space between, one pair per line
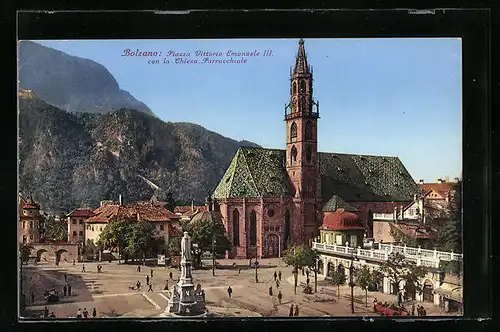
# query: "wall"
346, 235
382, 232
68, 252
93, 231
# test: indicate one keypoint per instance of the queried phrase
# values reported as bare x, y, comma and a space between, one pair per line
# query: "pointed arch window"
253, 228
309, 130
236, 228
293, 154
287, 226
293, 132
302, 86
309, 153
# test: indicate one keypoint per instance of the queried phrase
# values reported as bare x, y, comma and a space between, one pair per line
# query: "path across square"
109, 291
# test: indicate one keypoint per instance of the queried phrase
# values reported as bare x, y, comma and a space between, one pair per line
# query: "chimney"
421, 181
192, 205
402, 213
457, 180
120, 202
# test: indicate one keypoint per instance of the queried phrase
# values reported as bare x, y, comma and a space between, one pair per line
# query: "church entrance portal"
272, 246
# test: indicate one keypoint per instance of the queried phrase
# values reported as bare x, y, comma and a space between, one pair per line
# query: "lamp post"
351, 281
213, 255
256, 265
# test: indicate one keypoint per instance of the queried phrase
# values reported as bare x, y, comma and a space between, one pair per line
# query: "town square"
144, 218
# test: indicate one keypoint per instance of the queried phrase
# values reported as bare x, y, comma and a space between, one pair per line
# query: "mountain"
71, 83
71, 159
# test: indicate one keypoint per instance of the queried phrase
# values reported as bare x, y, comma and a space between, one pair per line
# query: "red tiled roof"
104, 213
80, 213
146, 212
415, 231
30, 206
341, 220
440, 188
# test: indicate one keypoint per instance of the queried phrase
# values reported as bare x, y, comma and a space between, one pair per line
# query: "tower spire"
301, 61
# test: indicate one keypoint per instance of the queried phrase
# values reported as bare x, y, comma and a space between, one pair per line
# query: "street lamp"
351, 280
256, 264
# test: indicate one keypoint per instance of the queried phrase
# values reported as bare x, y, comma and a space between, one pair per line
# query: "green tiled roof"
260, 172
255, 172
338, 203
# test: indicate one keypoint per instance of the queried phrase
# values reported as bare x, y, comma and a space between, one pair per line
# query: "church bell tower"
302, 148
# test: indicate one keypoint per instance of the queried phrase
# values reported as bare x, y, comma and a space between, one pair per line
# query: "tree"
173, 247
54, 230
366, 278
338, 278
398, 269
170, 202
116, 234
203, 233
141, 240
299, 257
25, 252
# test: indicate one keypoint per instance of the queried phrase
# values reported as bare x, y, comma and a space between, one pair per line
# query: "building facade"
272, 198
76, 224
30, 220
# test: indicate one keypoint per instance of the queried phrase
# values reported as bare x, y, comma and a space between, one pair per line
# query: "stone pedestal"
186, 301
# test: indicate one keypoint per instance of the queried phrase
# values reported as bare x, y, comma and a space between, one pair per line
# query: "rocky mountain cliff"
71, 83
70, 159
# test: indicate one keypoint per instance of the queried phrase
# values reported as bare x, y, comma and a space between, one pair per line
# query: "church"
271, 199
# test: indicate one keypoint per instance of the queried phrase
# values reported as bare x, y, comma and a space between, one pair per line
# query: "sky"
394, 96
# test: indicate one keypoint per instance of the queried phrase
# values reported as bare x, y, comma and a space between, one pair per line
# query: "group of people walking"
85, 313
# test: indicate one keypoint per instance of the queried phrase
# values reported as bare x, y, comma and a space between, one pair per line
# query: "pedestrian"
239, 270
413, 309
280, 296
94, 313
79, 313
307, 273
203, 294
65, 278
45, 312
147, 280
307, 281
424, 312
271, 290
138, 268
291, 311
32, 297
52, 315
150, 287
151, 273
277, 283
279, 275
73, 262
65, 290
296, 310
85, 313
419, 310
69, 290
250, 262
275, 275
166, 286
229, 291
170, 275
83, 268
138, 285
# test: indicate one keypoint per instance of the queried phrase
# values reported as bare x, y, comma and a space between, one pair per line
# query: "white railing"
430, 258
383, 216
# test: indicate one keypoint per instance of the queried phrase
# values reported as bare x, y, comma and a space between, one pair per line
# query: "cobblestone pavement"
109, 291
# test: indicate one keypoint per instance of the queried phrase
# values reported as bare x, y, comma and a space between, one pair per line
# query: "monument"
185, 300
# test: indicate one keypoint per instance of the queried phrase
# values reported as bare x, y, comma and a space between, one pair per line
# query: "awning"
450, 291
